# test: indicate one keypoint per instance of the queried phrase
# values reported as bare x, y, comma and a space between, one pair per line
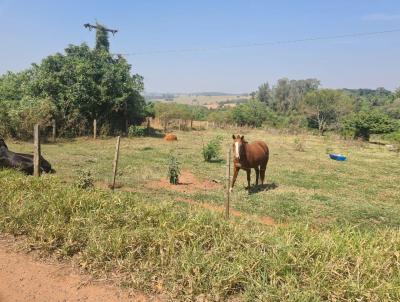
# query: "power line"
262, 44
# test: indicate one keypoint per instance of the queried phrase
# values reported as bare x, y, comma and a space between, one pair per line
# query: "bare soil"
188, 183
25, 279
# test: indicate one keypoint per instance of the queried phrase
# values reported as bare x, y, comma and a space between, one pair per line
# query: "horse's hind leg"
257, 174
263, 167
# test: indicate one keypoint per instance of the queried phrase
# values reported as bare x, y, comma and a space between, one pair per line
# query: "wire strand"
262, 44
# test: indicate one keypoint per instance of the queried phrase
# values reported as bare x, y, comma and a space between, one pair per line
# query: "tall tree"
289, 93
83, 85
325, 106
264, 94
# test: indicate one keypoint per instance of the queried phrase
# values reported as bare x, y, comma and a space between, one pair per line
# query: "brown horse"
249, 156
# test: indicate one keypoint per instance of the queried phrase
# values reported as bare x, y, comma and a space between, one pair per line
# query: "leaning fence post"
54, 131
36, 154
228, 176
94, 129
115, 164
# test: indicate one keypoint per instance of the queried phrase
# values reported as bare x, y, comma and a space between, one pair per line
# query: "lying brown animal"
170, 137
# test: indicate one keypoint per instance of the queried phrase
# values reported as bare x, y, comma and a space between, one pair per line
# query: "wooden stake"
228, 176
94, 129
36, 154
54, 131
115, 164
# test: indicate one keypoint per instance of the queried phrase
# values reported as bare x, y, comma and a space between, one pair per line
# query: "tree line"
354, 113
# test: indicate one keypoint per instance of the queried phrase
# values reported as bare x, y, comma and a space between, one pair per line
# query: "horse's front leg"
248, 171
235, 174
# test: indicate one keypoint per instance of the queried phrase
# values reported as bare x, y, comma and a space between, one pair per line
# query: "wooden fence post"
115, 164
54, 131
94, 129
228, 176
36, 154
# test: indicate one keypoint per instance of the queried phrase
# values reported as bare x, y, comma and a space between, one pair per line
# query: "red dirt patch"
266, 220
24, 279
188, 183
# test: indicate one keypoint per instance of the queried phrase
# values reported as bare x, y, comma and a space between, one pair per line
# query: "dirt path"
23, 279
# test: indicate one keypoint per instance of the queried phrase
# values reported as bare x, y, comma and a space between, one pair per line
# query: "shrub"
17, 118
141, 131
5, 124
394, 138
173, 169
212, 149
135, 131
105, 130
85, 179
365, 123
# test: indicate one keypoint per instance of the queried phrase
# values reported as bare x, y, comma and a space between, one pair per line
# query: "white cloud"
381, 17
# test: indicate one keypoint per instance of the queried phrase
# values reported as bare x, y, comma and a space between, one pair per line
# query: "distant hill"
158, 95
197, 98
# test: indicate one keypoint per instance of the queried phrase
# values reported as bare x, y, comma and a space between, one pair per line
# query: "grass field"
336, 224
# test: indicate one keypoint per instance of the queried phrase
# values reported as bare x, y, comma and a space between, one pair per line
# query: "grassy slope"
339, 240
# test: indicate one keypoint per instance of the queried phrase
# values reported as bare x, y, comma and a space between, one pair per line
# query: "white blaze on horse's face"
237, 154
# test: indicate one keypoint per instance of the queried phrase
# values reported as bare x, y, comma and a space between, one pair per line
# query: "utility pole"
90, 27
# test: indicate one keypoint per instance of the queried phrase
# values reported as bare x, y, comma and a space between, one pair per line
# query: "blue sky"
32, 30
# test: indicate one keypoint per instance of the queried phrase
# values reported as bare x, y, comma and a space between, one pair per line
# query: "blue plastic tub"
339, 157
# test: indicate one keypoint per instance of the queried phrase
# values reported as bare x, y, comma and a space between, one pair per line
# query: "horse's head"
3, 143
238, 147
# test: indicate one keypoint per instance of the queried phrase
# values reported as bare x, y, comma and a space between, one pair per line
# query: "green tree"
397, 93
325, 106
365, 123
83, 85
220, 116
264, 94
252, 113
288, 94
